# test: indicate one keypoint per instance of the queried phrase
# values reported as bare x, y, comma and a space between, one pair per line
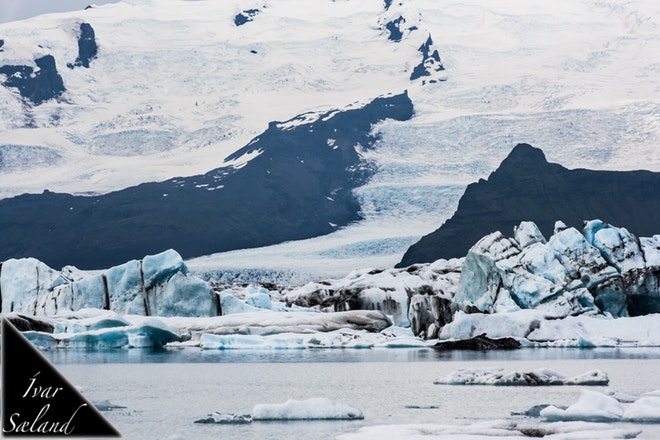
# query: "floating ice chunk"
622, 397
311, 409
230, 305
271, 342
43, 341
591, 407
106, 405
83, 324
266, 322
226, 419
103, 339
403, 342
534, 411
258, 298
499, 325
148, 333
499, 429
572, 331
582, 331
645, 409
541, 376
344, 338
395, 330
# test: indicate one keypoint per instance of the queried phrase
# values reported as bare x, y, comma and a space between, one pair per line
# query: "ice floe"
597, 407
534, 328
318, 408
540, 376
500, 429
149, 333
644, 409
591, 406
226, 419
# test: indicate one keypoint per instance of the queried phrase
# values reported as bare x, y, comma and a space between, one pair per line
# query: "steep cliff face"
526, 187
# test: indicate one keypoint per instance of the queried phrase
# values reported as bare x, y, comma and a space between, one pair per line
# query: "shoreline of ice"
266, 330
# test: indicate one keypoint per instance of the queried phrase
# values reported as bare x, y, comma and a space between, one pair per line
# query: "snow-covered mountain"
176, 87
296, 181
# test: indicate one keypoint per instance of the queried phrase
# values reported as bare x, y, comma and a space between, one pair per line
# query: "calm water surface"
164, 392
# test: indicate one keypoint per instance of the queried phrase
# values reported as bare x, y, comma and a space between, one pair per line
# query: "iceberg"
645, 409
157, 285
106, 405
23, 282
573, 331
258, 298
149, 333
159, 268
126, 292
281, 341
541, 376
591, 407
269, 323
418, 297
182, 295
343, 338
604, 269
230, 304
311, 409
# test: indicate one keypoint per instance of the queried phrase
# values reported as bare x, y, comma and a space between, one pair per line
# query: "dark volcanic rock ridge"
526, 187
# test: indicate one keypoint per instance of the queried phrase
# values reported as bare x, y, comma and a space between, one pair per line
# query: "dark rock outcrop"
299, 185
245, 16
394, 28
35, 86
526, 187
430, 65
87, 48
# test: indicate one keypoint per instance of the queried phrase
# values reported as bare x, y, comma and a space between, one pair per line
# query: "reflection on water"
196, 355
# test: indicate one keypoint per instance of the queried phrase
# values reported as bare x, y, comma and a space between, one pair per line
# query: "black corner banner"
37, 400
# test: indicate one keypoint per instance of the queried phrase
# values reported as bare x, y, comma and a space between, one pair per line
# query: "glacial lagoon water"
164, 392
